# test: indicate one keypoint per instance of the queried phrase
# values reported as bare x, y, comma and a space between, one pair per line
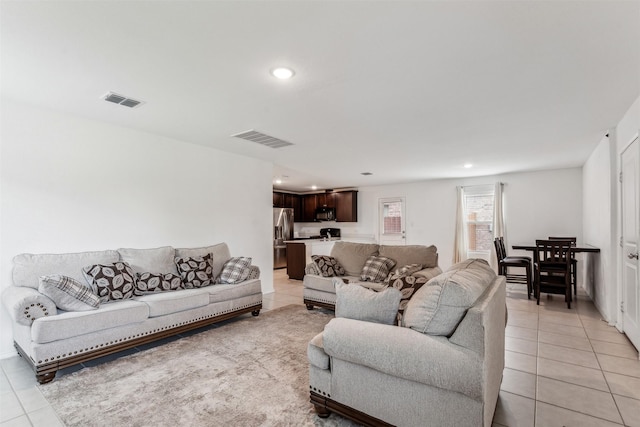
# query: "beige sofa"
320, 291
51, 339
443, 368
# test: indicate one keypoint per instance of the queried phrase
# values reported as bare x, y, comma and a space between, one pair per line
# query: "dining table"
577, 248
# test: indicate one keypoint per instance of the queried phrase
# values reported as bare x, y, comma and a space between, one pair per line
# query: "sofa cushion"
163, 303
68, 293
407, 285
219, 252
438, 307
156, 260
327, 266
222, 292
235, 270
148, 283
376, 268
74, 323
352, 256
111, 282
27, 268
195, 271
411, 254
359, 303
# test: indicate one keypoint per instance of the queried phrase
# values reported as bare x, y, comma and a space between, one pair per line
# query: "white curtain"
460, 243
498, 222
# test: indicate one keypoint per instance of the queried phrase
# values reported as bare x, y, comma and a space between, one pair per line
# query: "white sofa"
443, 368
320, 291
51, 339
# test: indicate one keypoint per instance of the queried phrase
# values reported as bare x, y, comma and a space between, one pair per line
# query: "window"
478, 216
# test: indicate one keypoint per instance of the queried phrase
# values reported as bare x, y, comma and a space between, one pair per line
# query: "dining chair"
574, 263
505, 262
552, 268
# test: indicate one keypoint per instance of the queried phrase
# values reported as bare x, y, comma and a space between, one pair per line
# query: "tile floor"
563, 367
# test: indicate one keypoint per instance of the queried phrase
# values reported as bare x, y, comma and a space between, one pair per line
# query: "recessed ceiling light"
468, 165
278, 181
282, 73
314, 187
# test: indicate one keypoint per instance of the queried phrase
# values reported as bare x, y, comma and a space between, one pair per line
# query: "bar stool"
505, 262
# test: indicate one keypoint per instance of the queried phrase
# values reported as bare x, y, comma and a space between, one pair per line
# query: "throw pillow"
438, 307
68, 293
407, 285
195, 271
406, 270
376, 268
235, 270
111, 282
356, 302
148, 283
328, 266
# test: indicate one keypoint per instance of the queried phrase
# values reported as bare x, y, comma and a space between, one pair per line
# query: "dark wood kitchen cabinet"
308, 207
346, 204
296, 260
327, 200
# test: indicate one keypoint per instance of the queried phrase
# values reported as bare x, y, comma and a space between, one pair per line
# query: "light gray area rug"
250, 371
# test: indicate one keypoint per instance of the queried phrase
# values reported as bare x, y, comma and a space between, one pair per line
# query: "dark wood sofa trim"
312, 303
47, 372
324, 406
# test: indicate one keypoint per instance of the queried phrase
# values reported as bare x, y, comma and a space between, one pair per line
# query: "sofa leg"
45, 378
255, 313
322, 411
309, 306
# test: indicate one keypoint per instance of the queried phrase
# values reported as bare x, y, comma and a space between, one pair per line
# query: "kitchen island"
299, 254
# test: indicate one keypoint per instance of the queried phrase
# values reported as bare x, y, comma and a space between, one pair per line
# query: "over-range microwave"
325, 214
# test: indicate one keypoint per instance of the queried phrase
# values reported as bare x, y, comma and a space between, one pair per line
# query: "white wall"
69, 184
599, 228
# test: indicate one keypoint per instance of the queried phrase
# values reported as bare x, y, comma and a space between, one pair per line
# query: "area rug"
250, 371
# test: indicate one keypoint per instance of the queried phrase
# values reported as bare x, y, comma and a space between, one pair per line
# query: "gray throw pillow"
235, 270
438, 307
376, 268
68, 293
356, 302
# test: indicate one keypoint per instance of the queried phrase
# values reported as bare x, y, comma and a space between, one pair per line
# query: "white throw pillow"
68, 294
357, 302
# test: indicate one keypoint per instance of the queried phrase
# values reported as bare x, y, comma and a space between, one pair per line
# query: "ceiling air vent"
122, 100
261, 138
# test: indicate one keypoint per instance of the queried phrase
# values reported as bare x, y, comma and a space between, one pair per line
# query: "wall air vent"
122, 100
261, 138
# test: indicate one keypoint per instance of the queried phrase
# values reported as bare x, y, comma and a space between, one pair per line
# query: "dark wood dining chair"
552, 268
505, 262
574, 263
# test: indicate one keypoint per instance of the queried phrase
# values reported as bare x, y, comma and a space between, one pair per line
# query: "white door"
392, 221
630, 163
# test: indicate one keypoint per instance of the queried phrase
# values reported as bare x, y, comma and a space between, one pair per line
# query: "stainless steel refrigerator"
282, 231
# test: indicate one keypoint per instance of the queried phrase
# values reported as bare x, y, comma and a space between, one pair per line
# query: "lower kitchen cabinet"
296, 260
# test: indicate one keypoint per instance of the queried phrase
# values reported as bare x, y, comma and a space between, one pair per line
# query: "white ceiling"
405, 90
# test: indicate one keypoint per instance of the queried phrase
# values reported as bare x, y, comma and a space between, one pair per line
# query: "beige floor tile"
563, 316
608, 336
522, 333
524, 319
31, 399
514, 411
22, 421
613, 349
619, 365
9, 407
568, 355
522, 304
588, 401
45, 417
5, 386
518, 382
577, 343
520, 361
521, 346
557, 328
599, 325
572, 373
623, 385
549, 415
629, 409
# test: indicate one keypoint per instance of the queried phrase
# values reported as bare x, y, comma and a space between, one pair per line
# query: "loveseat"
442, 367
158, 293
352, 257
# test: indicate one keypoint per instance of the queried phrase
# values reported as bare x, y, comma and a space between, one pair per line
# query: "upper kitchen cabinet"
278, 200
346, 204
308, 204
326, 200
286, 200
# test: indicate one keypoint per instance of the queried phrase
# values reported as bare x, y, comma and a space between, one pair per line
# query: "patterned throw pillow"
328, 266
407, 285
68, 293
376, 268
406, 270
111, 282
149, 283
235, 270
196, 271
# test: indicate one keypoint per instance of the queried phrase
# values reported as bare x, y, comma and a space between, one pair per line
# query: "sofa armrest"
26, 304
428, 273
254, 272
405, 353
